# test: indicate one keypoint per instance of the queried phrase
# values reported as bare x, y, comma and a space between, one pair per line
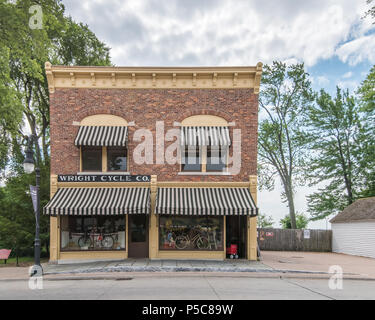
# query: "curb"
167, 269
273, 274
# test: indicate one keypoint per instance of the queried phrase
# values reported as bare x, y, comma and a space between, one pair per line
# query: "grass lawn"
22, 262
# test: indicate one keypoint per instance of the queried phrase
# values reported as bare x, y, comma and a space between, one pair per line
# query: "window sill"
204, 174
103, 173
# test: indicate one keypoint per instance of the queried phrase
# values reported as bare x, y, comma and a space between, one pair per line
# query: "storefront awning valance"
99, 201
205, 201
205, 136
96, 136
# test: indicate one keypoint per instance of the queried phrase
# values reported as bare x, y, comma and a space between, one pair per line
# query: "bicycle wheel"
202, 243
84, 242
107, 242
181, 242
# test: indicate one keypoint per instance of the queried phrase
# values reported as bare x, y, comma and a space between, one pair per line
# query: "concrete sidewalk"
147, 265
319, 262
273, 264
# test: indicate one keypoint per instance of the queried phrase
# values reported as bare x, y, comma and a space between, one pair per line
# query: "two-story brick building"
153, 162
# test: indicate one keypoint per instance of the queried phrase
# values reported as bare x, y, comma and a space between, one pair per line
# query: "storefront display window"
191, 233
92, 233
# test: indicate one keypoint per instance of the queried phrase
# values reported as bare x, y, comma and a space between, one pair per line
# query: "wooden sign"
102, 178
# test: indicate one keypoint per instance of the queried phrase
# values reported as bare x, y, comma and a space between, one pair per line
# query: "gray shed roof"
362, 209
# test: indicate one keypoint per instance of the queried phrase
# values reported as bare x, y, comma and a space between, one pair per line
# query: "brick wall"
145, 107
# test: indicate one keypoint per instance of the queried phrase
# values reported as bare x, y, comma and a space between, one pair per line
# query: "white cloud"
348, 84
358, 50
217, 32
322, 81
347, 75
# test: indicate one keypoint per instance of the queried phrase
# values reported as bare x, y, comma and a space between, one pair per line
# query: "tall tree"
366, 94
59, 40
285, 94
24, 98
335, 145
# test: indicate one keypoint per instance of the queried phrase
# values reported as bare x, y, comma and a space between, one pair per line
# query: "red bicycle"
96, 239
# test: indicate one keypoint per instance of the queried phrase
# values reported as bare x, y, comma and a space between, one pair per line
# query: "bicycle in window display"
95, 238
195, 238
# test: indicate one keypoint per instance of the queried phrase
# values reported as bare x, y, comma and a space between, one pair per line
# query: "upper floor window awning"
205, 136
97, 136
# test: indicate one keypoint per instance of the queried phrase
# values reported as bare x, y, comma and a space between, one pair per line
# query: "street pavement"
186, 286
279, 275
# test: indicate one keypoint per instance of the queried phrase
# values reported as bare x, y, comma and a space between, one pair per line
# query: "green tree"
61, 41
17, 222
285, 94
301, 222
335, 145
265, 221
366, 94
24, 101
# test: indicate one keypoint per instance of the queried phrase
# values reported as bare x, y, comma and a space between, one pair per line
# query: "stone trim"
153, 77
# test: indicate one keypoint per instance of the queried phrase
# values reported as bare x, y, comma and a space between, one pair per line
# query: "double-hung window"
216, 159
103, 148
191, 160
91, 159
117, 159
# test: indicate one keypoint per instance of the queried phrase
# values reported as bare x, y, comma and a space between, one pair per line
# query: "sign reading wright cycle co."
102, 178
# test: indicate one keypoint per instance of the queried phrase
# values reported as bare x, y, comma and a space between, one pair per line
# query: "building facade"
353, 229
153, 162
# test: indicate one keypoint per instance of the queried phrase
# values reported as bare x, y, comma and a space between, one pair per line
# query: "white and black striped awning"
205, 201
97, 136
99, 201
205, 136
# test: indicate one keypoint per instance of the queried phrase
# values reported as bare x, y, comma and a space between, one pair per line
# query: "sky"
331, 37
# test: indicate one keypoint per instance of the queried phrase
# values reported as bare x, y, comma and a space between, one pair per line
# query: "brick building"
153, 162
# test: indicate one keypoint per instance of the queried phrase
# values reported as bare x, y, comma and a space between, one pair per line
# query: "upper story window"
91, 159
103, 143
117, 159
192, 160
205, 143
216, 159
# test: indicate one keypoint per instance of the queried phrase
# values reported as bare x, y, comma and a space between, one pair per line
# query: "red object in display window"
232, 251
169, 245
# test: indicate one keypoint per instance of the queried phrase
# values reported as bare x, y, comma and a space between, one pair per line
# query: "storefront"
105, 205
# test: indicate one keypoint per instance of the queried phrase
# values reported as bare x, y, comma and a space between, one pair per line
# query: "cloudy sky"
330, 36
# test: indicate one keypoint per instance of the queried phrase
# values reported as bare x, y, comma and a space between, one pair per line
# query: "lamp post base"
36, 271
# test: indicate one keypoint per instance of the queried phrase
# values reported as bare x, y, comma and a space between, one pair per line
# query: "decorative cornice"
153, 77
258, 76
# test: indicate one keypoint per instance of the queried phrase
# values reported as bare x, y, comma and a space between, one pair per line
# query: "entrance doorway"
236, 233
138, 236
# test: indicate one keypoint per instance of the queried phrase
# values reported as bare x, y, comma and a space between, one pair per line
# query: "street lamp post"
29, 166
